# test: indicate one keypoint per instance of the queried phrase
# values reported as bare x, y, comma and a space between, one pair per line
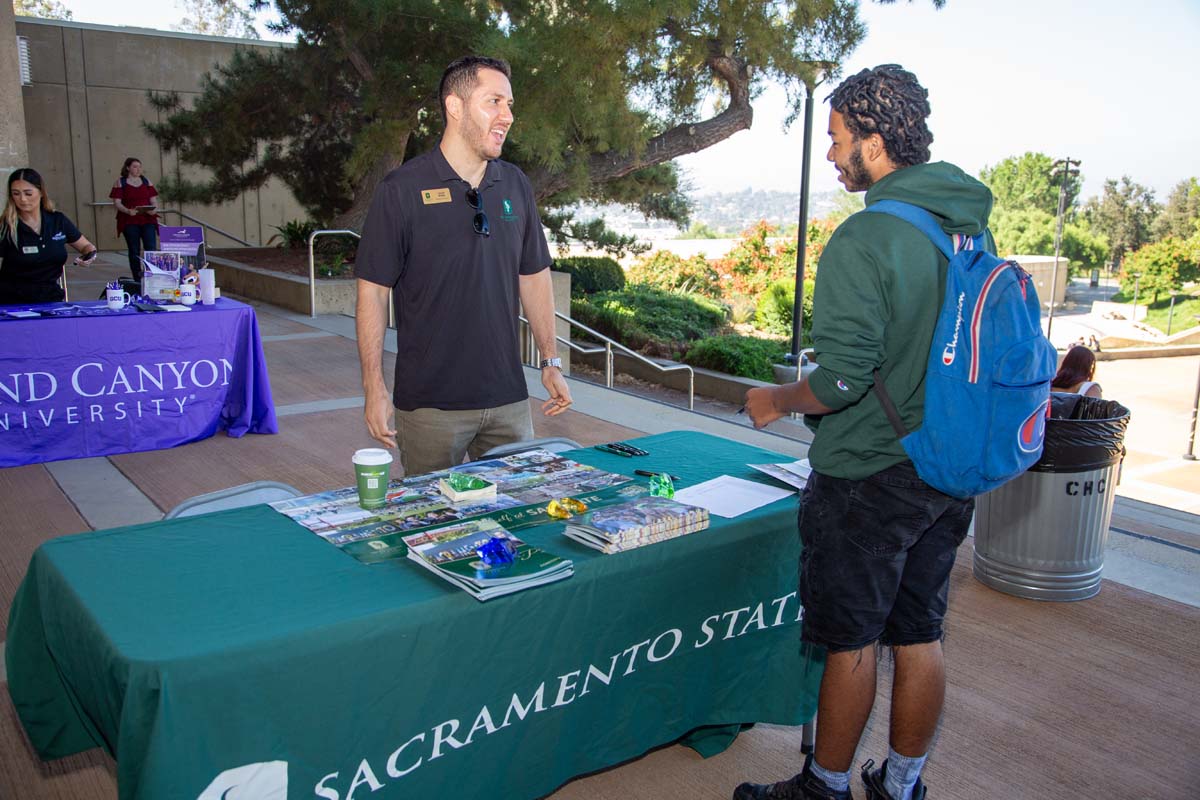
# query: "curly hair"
889, 101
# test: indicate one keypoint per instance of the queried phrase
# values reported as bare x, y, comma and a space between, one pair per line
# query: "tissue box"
458, 487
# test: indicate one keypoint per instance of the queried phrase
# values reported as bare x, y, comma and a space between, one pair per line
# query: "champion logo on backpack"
1033, 431
984, 414
952, 345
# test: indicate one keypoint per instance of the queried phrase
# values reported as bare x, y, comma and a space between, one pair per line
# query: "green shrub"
775, 307
295, 233
662, 269
650, 320
590, 274
747, 356
337, 267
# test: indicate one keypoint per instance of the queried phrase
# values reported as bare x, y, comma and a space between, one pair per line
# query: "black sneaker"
804, 786
873, 782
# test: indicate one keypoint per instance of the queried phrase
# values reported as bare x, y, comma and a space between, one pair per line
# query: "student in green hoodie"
879, 542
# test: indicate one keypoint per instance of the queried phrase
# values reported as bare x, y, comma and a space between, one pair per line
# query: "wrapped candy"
497, 551
563, 508
661, 486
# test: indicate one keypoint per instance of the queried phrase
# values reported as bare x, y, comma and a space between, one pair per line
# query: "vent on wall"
23, 57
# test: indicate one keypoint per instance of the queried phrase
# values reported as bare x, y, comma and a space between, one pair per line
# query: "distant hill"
727, 213
733, 212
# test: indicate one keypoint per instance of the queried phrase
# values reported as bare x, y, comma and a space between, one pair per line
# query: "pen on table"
650, 474
741, 410
607, 449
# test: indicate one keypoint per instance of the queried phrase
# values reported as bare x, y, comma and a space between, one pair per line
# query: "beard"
854, 172
480, 139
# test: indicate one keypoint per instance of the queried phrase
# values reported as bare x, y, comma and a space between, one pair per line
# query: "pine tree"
608, 92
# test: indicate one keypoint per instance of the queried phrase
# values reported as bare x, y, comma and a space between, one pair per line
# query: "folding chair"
248, 494
555, 444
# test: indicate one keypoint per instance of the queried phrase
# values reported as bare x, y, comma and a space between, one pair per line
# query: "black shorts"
876, 558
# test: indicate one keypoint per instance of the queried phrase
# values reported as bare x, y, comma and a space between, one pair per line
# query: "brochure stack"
636, 523
453, 554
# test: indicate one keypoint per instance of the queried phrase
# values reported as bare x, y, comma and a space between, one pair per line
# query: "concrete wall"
85, 111
14, 150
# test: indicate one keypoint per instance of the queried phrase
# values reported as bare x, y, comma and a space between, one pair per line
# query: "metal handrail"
183, 215
607, 349
312, 270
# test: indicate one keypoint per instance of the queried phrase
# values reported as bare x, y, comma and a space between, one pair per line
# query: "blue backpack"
987, 383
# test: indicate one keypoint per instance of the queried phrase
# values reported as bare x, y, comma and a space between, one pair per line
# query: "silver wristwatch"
551, 362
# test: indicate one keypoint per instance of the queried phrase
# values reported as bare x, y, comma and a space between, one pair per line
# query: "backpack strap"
922, 220
948, 245
889, 408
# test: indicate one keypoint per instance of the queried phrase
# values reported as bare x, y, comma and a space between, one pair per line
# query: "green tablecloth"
239, 649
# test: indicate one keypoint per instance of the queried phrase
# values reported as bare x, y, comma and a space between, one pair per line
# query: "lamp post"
1136, 277
1170, 313
1189, 455
1066, 168
793, 356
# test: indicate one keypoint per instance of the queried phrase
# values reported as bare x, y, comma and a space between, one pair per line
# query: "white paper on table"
727, 496
794, 474
801, 468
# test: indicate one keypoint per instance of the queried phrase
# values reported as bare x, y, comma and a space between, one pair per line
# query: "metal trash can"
1042, 535
1095, 280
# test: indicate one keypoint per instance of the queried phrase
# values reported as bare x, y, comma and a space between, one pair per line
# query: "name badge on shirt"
30, 249
431, 196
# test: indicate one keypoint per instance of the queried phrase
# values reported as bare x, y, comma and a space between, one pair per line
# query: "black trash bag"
1083, 433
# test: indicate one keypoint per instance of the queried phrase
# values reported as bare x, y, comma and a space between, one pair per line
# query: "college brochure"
524, 484
452, 553
635, 523
794, 473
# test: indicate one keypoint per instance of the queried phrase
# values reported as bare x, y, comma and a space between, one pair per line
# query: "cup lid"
372, 456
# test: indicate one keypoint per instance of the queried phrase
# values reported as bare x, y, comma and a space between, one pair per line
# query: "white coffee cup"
116, 298
188, 294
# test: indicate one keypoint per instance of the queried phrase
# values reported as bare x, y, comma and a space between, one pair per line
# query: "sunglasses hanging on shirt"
480, 223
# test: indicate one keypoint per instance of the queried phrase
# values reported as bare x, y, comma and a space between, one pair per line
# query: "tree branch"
687, 138
357, 59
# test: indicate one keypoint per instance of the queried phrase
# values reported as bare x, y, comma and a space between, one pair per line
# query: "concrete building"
1043, 272
85, 107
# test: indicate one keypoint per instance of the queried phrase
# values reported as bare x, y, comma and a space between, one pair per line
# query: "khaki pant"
432, 439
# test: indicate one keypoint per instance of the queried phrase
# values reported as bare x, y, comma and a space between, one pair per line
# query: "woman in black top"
33, 243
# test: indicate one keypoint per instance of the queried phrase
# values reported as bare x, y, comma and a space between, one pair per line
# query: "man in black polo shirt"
454, 236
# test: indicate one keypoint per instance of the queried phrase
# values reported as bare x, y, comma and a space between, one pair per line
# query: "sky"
1109, 82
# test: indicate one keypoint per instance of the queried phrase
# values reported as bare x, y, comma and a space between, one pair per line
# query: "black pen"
741, 410
650, 474
605, 448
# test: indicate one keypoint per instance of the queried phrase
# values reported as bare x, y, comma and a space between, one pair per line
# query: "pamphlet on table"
453, 553
525, 483
635, 523
794, 473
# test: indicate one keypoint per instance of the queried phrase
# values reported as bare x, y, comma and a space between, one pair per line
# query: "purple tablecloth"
95, 382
